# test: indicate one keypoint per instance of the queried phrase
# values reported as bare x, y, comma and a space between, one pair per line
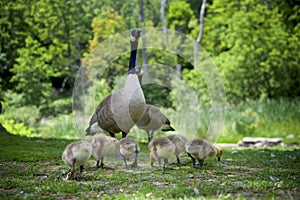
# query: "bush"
62, 126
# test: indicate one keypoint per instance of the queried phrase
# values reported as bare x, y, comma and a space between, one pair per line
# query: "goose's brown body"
119, 111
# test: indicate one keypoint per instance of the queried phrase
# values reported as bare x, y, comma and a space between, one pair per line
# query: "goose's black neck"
133, 45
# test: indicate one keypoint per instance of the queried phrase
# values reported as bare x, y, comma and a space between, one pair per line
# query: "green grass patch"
31, 168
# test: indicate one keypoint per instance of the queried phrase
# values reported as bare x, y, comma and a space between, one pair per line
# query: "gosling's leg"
80, 171
134, 164
73, 170
152, 164
102, 163
159, 162
165, 163
125, 162
97, 164
201, 161
178, 161
193, 159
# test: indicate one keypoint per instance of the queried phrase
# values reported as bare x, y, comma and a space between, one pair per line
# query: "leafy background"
255, 45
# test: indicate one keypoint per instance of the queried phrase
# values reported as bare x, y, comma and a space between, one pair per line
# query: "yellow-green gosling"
102, 145
128, 147
161, 148
77, 154
199, 149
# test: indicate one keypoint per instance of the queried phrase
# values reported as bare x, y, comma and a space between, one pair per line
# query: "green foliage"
28, 115
179, 15
246, 123
57, 106
62, 126
17, 118
255, 51
105, 26
43, 40
255, 45
17, 128
32, 72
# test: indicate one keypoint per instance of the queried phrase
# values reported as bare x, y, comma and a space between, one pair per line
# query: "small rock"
272, 178
234, 151
191, 176
290, 136
259, 144
148, 194
196, 191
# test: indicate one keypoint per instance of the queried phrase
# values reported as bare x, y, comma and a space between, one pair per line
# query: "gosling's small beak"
219, 159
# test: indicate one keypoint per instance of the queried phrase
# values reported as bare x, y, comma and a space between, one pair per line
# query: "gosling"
126, 148
76, 154
199, 149
179, 142
161, 148
102, 145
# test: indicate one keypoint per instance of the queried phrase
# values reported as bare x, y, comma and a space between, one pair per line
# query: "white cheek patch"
96, 129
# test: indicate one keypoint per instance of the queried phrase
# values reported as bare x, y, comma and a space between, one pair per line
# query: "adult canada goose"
128, 147
199, 149
102, 145
161, 148
179, 142
119, 111
152, 120
77, 154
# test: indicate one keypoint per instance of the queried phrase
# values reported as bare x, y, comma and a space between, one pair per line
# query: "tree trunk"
144, 46
162, 18
201, 22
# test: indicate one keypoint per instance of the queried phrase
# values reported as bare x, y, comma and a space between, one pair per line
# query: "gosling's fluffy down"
102, 145
179, 142
199, 149
127, 148
161, 148
77, 154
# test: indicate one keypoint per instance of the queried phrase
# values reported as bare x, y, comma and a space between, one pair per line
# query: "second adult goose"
119, 111
152, 120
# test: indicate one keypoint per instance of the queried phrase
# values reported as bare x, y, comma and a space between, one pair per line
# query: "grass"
264, 118
31, 168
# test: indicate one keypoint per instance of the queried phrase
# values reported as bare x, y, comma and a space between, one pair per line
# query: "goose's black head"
135, 35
